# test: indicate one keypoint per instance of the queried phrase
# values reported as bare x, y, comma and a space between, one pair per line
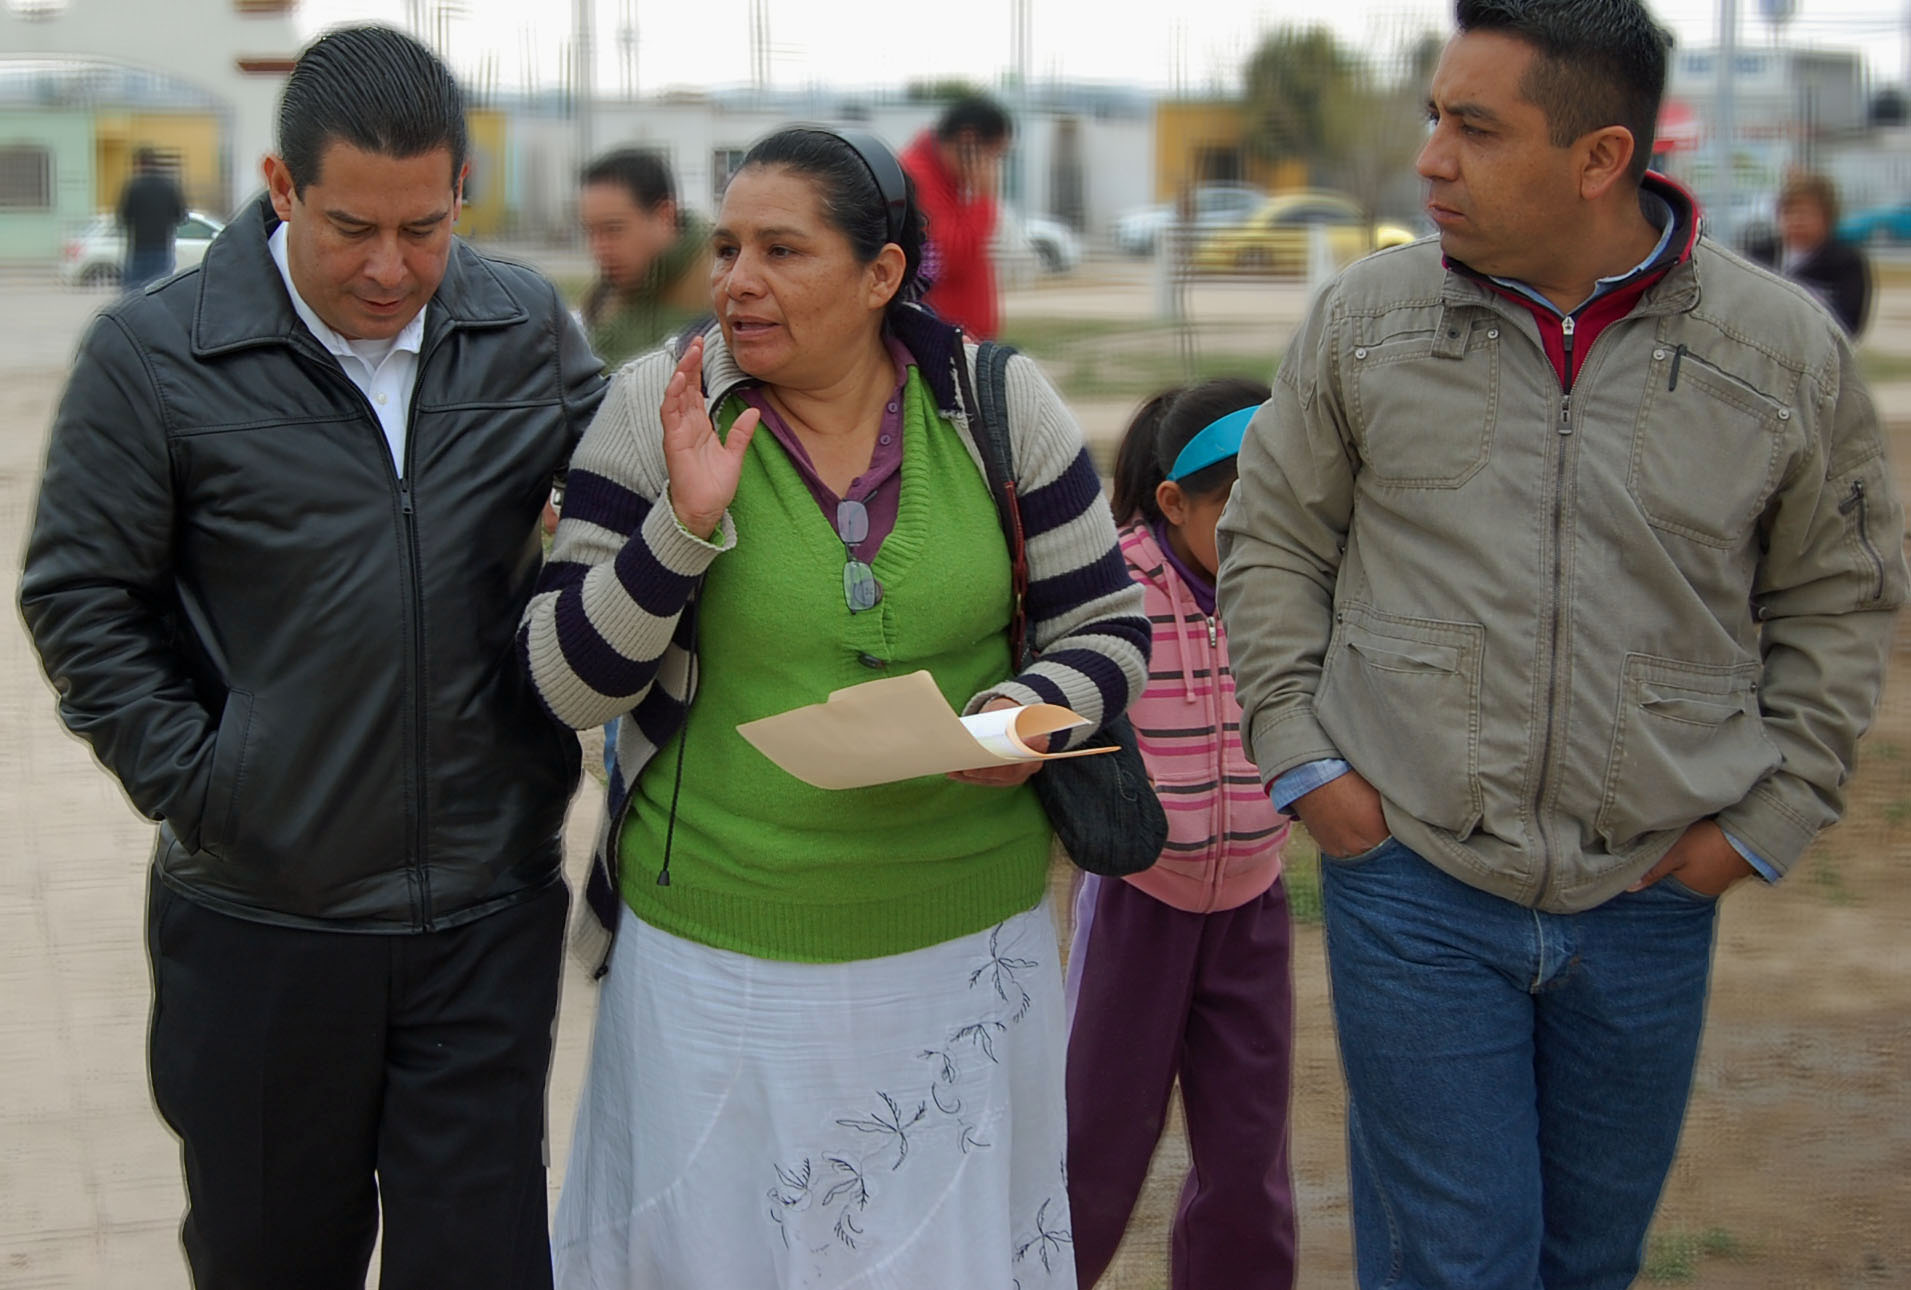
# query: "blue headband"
1215, 444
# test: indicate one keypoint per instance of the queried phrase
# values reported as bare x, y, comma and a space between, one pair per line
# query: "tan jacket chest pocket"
1424, 419
1708, 451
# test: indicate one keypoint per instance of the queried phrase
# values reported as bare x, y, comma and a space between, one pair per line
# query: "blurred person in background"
956, 168
1536, 752
285, 531
829, 1047
1809, 251
653, 264
150, 208
652, 256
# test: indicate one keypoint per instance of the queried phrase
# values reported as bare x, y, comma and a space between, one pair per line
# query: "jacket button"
1784, 414
1360, 353
1493, 334
1658, 356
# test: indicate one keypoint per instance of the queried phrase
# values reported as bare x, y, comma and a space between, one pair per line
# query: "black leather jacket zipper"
401, 487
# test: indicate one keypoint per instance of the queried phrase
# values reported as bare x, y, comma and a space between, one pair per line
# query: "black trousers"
315, 1078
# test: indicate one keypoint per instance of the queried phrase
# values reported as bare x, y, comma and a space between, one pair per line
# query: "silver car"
94, 254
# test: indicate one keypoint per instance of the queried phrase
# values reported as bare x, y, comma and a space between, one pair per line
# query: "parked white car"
93, 255
1028, 245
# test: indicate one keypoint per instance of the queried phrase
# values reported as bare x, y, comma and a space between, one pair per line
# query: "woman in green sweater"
829, 1048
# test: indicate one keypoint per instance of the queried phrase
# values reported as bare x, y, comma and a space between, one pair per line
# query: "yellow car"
1275, 238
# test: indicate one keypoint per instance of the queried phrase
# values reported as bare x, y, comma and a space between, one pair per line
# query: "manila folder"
897, 728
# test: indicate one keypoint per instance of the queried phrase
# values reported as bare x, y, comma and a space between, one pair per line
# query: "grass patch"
1300, 873
1042, 336
1878, 367
1674, 1257
1828, 880
1099, 358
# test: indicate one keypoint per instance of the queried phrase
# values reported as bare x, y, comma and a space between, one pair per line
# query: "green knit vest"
761, 862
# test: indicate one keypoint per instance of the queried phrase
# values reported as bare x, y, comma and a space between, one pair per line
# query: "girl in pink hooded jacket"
1183, 970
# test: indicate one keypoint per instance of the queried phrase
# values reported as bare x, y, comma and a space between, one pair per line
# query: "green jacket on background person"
674, 293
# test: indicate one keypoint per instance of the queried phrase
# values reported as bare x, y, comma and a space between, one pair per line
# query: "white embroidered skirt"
888, 1124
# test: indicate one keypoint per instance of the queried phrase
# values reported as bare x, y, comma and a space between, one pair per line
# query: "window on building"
724, 162
1219, 165
26, 178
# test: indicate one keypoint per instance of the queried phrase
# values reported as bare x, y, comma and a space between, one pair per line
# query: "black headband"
886, 171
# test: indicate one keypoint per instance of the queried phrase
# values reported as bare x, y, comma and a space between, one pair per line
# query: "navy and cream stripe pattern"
607, 633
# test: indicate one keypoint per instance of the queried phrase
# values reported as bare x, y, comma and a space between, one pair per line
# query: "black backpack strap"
989, 427
680, 339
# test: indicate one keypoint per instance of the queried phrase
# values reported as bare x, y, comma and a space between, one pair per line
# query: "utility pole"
760, 46
627, 47
583, 84
1019, 55
1725, 124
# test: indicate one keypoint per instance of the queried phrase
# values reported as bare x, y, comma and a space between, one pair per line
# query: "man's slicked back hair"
1601, 63
374, 88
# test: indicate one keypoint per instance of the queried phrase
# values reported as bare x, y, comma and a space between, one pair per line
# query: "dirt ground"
1794, 1173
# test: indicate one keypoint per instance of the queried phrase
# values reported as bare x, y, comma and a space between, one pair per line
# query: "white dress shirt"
386, 370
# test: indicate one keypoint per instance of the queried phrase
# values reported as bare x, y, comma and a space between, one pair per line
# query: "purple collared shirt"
879, 487
1197, 581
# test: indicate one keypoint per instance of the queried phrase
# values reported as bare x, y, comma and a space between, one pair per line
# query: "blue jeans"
1516, 1080
142, 267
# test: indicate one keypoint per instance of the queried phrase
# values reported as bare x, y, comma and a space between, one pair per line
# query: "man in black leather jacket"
288, 523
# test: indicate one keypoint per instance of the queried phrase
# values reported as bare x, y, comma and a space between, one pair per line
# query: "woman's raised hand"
703, 468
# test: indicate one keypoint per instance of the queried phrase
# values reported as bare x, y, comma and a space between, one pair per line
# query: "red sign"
1679, 128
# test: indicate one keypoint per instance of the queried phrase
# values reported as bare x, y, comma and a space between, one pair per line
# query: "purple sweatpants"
1157, 992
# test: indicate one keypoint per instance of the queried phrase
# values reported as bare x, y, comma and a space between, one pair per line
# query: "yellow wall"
485, 189
1186, 128
192, 137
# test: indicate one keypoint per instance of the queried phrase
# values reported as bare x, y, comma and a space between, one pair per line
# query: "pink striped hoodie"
1224, 836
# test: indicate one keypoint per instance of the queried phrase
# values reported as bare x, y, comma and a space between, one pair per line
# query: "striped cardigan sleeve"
1086, 616
621, 570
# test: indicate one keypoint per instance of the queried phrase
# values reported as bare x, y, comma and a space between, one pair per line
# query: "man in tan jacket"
1560, 578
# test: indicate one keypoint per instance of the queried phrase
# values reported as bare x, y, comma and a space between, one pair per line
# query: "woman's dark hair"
1601, 63
852, 202
374, 88
978, 114
1161, 429
641, 173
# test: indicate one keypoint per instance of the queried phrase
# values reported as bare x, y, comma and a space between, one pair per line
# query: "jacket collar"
243, 302
1677, 289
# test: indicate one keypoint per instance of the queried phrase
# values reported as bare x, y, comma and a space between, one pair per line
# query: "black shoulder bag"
1103, 808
